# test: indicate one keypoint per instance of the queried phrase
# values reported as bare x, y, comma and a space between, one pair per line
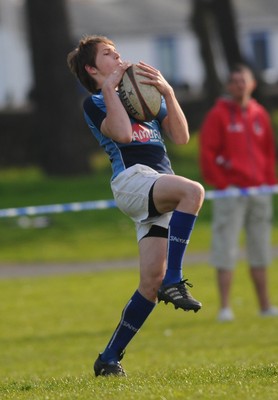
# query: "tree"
215, 17
225, 21
60, 131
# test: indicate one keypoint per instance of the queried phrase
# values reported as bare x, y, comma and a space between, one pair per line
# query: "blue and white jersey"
147, 146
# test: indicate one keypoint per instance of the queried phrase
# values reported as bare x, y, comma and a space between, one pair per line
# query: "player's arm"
175, 124
117, 124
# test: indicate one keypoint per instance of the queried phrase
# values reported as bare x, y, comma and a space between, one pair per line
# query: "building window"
166, 56
260, 50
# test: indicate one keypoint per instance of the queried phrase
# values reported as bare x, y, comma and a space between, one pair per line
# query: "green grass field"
52, 329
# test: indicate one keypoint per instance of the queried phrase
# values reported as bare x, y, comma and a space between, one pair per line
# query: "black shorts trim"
157, 231
152, 209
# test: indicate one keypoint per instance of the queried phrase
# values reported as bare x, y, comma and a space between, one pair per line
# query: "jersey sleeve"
95, 109
162, 112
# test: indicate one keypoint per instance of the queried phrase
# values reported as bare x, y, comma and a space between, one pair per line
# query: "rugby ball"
141, 102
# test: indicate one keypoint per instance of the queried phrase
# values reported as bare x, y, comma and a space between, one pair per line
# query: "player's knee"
197, 193
200, 193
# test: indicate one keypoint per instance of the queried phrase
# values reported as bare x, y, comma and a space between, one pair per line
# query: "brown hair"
85, 54
241, 68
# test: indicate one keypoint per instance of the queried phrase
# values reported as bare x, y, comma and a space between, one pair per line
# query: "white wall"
15, 66
188, 64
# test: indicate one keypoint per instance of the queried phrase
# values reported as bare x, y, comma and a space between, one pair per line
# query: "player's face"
107, 59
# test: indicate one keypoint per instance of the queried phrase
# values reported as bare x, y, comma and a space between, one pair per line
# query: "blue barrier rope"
104, 204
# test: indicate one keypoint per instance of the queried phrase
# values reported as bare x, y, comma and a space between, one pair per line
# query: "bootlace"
187, 283
182, 288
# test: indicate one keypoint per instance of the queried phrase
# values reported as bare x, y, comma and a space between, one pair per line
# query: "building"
156, 31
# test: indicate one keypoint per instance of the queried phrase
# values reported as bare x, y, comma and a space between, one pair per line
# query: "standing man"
237, 149
163, 206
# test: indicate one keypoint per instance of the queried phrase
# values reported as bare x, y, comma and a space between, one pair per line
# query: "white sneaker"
270, 312
225, 314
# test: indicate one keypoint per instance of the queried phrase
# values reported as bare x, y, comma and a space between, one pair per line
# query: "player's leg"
172, 192
133, 316
184, 197
131, 191
152, 252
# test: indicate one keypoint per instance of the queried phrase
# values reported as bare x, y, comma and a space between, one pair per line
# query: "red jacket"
237, 145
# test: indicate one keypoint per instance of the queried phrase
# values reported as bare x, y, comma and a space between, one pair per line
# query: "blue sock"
133, 316
180, 228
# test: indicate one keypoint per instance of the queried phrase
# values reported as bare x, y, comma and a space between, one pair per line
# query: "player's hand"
116, 75
153, 77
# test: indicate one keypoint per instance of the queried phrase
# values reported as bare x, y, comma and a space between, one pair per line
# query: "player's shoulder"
93, 102
87, 101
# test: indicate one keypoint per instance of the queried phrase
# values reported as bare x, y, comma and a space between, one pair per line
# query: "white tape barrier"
57, 208
237, 192
104, 204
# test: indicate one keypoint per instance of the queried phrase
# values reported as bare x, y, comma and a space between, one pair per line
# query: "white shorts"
131, 192
230, 216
